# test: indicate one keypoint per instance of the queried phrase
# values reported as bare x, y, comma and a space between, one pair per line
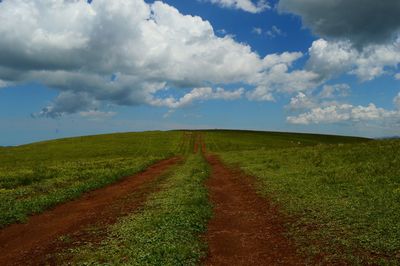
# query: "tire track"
246, 229
30, 243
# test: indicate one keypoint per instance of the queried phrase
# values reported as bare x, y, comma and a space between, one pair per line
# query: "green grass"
38, 176
344, 199
165, 232
232, 140
342, 194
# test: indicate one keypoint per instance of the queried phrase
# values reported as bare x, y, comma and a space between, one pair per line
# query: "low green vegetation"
165, 232
341, 195
234, 140
343, 200
37, 176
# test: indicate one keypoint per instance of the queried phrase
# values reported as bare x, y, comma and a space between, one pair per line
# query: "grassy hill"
342, 196
231, 140
37, 176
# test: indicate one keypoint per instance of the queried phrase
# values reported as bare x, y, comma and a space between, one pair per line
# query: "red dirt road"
29, 243
246, 229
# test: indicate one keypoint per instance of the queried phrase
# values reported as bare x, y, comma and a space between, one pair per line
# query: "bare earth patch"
246, 229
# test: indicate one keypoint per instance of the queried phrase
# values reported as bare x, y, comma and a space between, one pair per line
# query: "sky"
77, 67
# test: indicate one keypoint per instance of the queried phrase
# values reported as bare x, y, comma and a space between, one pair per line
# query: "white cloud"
124, 52
277, 78
245, 5
397, 76
337, 57
197, 94
257, 31
329, 114
275, 32
343, 113
285, 58
371, 112
301, 101
329, 59
310, 100
373, 60
272, 33
333, 91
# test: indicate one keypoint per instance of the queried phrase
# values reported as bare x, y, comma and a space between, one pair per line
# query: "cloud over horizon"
132, 53
336, 113
330, 59
124, 52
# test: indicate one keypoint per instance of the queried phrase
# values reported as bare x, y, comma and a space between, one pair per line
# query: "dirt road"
29, 243
246, 229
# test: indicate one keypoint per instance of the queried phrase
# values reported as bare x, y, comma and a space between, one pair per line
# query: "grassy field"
233, 140
165, 232
341, 195
342, 199
37, 176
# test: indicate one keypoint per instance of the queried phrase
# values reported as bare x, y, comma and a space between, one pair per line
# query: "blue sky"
239, 64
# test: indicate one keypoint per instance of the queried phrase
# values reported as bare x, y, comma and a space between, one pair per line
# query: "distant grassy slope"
231, 140
36, 176
110, 146
345, 198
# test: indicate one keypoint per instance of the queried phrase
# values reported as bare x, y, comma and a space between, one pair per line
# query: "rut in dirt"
246, 229
32, 243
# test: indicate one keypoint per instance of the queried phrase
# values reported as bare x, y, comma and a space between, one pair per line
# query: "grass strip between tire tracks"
166, 231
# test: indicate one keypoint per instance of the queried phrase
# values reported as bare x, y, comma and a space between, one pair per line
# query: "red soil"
32, 242
246, 229
198, 143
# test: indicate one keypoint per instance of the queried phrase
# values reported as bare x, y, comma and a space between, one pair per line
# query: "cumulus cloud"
363, 22
278, 78
124, 52
343, 113
68, 102
205, 93
322, 108
312, 99
301, 102
245, 5
397, 76
334, 91
332, 58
